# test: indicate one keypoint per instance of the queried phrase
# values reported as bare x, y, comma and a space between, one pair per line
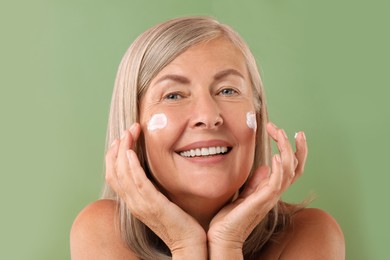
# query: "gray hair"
145, 58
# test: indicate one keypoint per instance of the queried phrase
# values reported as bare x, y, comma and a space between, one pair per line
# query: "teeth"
204, 151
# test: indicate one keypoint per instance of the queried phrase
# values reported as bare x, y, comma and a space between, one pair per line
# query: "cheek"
164, 126
161, 131
244, 126
243, 121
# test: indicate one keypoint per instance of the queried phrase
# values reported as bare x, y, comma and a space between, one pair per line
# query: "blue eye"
228, 92
173, 96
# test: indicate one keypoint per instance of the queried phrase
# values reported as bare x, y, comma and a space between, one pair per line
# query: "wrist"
190, 248
224, 247
195, 252
217, 251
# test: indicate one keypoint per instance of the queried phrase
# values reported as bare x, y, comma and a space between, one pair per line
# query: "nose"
206, 113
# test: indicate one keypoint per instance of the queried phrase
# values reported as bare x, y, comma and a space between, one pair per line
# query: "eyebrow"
225, 73
174, 77
183, 80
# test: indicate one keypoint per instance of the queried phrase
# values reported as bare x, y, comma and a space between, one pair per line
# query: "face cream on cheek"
251, 120
158, 121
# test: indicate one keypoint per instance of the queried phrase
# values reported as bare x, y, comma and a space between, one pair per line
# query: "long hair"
145, 58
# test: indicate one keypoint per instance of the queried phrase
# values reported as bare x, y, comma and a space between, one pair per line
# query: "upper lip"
204, 144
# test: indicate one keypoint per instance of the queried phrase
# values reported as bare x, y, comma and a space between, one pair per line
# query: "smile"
205, 151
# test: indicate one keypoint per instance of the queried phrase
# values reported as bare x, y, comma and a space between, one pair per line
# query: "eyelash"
235, 92
173, 96
223, 92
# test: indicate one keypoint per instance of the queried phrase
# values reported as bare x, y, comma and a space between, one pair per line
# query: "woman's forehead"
218, 55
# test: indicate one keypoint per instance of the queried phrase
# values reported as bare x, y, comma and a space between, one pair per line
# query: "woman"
189, 170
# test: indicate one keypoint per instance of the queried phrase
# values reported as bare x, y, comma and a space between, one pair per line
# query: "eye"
228, 92
173, 96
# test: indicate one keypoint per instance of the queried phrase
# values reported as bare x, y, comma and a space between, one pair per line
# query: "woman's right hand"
180, 232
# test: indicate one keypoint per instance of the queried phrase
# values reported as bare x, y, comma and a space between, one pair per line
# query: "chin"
214, 189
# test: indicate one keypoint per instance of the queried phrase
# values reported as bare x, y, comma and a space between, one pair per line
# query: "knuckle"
154, 211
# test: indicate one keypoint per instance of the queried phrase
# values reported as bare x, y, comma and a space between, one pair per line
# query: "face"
194, 119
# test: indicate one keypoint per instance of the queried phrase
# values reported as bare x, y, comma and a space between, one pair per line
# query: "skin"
190, 208
205, 94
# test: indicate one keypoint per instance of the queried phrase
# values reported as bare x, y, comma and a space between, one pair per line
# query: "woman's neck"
201, 209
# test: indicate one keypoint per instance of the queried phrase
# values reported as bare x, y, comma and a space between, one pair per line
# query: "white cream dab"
251, 120
158, 121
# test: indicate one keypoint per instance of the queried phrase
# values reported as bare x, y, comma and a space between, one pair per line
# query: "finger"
110, 160
281, 139
112, 151
286, 152
276, 178
146, 193
272, 130
287, 157
255, 181
122, 164
135, 131
301, 153
127, 142
110, 157
142, 183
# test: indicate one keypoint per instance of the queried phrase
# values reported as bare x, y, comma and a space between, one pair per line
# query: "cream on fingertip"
302, 135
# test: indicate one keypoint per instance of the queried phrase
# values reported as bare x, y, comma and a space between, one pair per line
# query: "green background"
325, 65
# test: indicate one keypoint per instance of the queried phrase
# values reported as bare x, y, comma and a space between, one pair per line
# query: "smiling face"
202, 146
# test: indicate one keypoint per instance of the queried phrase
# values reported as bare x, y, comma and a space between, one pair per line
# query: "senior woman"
189, 170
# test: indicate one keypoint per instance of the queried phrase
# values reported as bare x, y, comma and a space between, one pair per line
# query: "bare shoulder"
95, 234
313, 234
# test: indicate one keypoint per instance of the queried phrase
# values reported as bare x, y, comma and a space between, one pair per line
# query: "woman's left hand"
233, 223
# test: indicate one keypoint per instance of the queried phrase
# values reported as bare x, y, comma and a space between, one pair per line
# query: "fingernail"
277, 157
304, 136
295, 136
